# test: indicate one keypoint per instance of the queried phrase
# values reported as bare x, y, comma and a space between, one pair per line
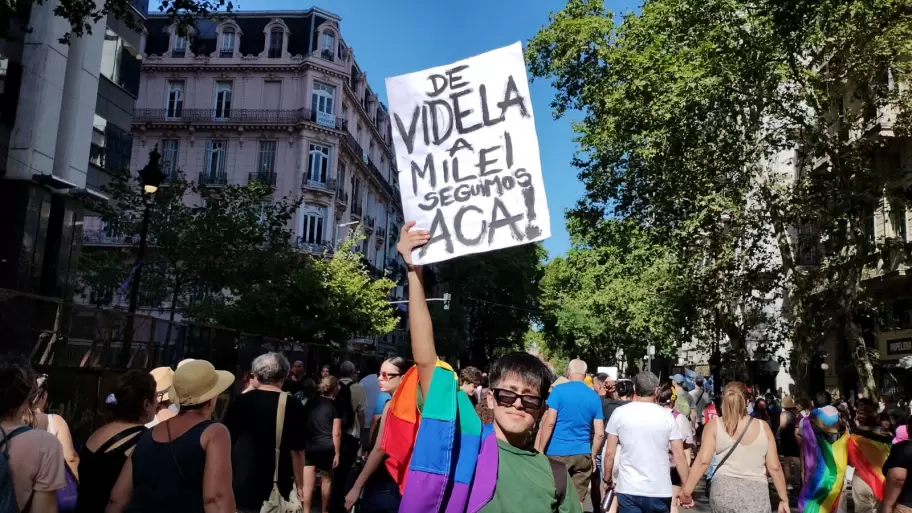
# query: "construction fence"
83, 349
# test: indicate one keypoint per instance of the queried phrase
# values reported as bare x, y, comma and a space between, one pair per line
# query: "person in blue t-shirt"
573, 428
379, 404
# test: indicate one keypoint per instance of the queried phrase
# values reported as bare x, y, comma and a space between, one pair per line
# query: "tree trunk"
861, 360
174, 295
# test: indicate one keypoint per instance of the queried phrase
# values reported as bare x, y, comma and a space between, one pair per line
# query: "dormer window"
327, 45
276, 43
228, 36
178, 46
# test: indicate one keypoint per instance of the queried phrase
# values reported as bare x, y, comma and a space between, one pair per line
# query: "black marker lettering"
463, 193
484, 162
446, 171
532, 231
508, 143
436, 120
455, 79
423, 173
424, 124
446, 198
456, 172
511, 98
508, 182
461, 144
487, 187
523, 178
462, 114
437, 87
485, 112
432, 201
506, 220
408, 136
457, 226
439, 224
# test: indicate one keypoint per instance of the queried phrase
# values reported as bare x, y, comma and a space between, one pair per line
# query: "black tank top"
161, 484
98, 470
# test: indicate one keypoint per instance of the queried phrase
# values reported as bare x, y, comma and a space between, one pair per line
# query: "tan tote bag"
276, 503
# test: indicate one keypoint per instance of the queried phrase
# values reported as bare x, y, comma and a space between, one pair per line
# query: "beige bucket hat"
197, 381
164, 378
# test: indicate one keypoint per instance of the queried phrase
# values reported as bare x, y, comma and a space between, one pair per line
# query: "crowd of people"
421, 437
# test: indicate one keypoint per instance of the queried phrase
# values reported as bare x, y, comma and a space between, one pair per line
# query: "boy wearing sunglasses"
525, 479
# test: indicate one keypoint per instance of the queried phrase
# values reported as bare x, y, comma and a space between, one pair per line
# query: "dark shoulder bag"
729, 453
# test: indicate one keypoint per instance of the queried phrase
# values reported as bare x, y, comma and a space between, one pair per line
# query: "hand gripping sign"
468, 157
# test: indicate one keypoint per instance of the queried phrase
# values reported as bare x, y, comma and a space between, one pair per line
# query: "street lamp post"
151, 177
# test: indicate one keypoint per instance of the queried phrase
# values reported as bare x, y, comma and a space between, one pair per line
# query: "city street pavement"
702, 503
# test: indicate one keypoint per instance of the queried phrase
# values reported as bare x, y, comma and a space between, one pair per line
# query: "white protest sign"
469, 166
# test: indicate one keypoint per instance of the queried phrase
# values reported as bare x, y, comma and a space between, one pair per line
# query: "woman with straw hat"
183, 463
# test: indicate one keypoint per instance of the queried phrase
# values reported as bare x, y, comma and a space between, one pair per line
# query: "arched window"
227, 49
178, 46
276, 43
327, 45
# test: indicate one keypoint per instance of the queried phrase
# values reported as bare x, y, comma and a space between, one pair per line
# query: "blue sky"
394, 37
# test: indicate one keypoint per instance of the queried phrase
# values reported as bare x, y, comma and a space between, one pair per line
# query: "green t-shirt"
525, 483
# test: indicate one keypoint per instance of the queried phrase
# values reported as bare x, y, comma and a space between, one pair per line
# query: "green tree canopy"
763, 110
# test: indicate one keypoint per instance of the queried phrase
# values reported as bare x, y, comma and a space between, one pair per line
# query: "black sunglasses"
508, 398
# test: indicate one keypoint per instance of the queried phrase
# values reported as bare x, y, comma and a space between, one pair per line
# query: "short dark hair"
624, 388
526, 367
471, 375
823, 399
664, 395
698, 382
602, 377
133, 390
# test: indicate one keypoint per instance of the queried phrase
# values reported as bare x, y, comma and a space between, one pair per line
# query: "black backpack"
344, 403
7, 494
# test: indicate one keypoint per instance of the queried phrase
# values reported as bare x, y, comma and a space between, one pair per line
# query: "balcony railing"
369, 222
380, 233
317, 247
323, 119
341, 197
327, 186
266, 116
356, 148
213, 178
104, 237
264, 177
357, 210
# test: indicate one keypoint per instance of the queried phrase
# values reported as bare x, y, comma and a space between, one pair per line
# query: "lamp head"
152, 175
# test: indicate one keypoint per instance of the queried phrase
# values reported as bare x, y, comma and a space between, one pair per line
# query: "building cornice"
262, 14
155, 63
357, 101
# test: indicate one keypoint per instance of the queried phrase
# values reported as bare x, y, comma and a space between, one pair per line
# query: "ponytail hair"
734, 405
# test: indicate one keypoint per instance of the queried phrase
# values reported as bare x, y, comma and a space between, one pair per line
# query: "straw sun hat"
197, 381
164, 378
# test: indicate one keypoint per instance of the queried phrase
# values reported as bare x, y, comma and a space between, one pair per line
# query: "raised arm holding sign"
468, 155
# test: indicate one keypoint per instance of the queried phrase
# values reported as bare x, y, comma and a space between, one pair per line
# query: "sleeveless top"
162, 484
99, 470
748, 461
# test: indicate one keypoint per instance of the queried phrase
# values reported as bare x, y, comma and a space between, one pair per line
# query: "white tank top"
747, 461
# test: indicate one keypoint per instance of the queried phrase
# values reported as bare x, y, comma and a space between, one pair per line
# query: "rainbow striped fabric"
434, 451
825, 459
867, 452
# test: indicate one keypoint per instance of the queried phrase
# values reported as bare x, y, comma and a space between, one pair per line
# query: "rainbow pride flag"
435, 444
867, 452
825, 462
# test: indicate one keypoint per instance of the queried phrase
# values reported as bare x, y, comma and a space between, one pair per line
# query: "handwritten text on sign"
468, 155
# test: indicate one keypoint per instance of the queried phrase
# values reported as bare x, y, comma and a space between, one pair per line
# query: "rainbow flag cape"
441, 457
867, 452
825, 462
